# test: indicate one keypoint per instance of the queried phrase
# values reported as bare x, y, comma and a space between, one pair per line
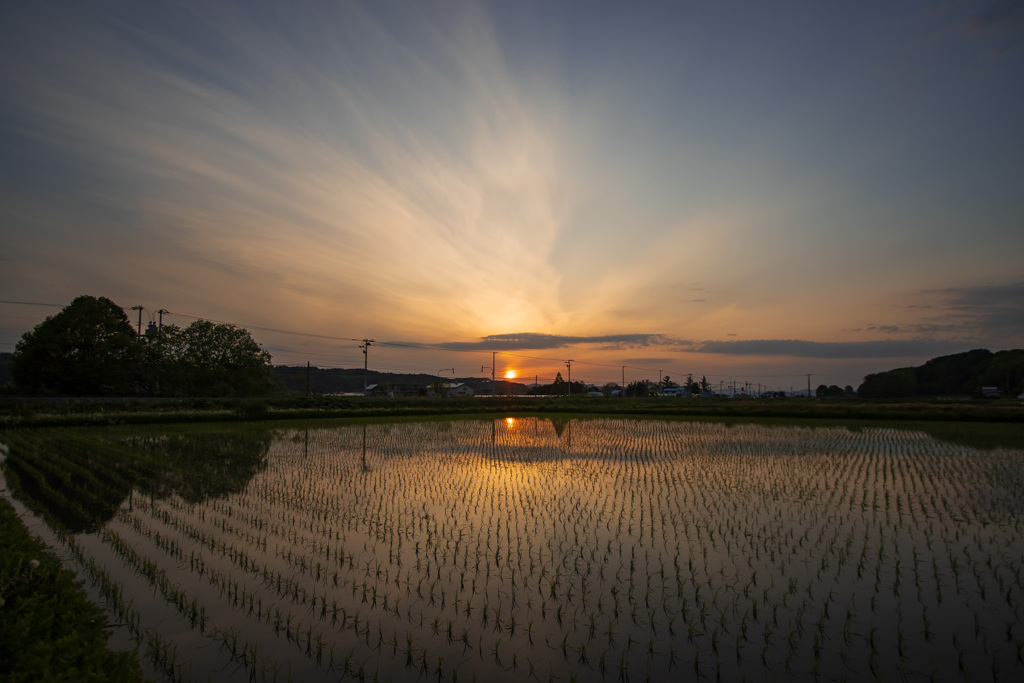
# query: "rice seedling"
619, 548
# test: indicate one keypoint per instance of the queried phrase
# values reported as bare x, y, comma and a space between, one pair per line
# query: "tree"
89, 348
437, 386
210, 359
642, 388
891, 384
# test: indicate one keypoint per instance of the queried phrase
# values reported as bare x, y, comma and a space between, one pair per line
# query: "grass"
67, 412
49, 631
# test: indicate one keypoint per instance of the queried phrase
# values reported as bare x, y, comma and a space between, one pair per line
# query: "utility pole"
139, 309
622, 387
808, 385
161, 312
568, 364
484, 367
367, 343
307, 379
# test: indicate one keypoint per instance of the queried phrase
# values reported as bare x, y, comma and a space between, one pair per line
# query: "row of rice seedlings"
669, 549
805, 535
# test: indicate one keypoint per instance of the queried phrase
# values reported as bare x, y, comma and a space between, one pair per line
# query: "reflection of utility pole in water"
305, 450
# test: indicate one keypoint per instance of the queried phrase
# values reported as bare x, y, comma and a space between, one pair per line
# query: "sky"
742, 191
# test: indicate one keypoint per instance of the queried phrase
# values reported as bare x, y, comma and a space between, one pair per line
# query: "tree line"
90, 348
965, 374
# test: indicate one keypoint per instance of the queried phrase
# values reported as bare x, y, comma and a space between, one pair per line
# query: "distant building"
395, 389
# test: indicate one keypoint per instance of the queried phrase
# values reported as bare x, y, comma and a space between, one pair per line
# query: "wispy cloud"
338, 156
1003, 21
990, 315
532, 341
661, 343
913, 348
996, 24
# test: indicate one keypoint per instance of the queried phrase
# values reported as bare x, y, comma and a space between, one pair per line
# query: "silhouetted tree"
89, 348
210, 359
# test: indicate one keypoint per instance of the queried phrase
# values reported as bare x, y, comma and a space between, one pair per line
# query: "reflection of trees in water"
79, 480
200, 465
560, 424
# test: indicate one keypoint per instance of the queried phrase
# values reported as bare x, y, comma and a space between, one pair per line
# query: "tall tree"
210, 359
89, 348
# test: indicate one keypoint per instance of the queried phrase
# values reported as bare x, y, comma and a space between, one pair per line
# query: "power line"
32, 303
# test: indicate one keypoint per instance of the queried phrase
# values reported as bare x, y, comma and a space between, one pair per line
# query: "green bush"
49, 631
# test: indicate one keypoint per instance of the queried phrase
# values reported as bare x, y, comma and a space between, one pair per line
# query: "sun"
510, 374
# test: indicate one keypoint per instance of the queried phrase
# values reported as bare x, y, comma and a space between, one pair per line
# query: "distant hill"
349, 381
961, 374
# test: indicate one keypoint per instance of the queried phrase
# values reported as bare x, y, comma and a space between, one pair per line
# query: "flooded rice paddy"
537, 549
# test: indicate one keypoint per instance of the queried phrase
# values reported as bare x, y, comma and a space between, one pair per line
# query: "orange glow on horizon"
510, 374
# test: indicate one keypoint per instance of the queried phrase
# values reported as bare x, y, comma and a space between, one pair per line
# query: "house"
679, 392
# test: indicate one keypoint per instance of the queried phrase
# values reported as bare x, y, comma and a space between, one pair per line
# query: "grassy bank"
54, 412
49, 631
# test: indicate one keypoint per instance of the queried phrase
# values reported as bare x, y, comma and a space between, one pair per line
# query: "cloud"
998, 25
340, 156
993, 313
533, 341
1000, 16
912, 348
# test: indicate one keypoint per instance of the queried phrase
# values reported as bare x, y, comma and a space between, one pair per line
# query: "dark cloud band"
529, 341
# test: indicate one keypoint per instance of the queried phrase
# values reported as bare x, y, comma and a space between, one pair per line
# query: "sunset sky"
745, 191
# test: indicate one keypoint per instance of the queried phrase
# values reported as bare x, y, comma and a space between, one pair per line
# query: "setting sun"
510, 374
